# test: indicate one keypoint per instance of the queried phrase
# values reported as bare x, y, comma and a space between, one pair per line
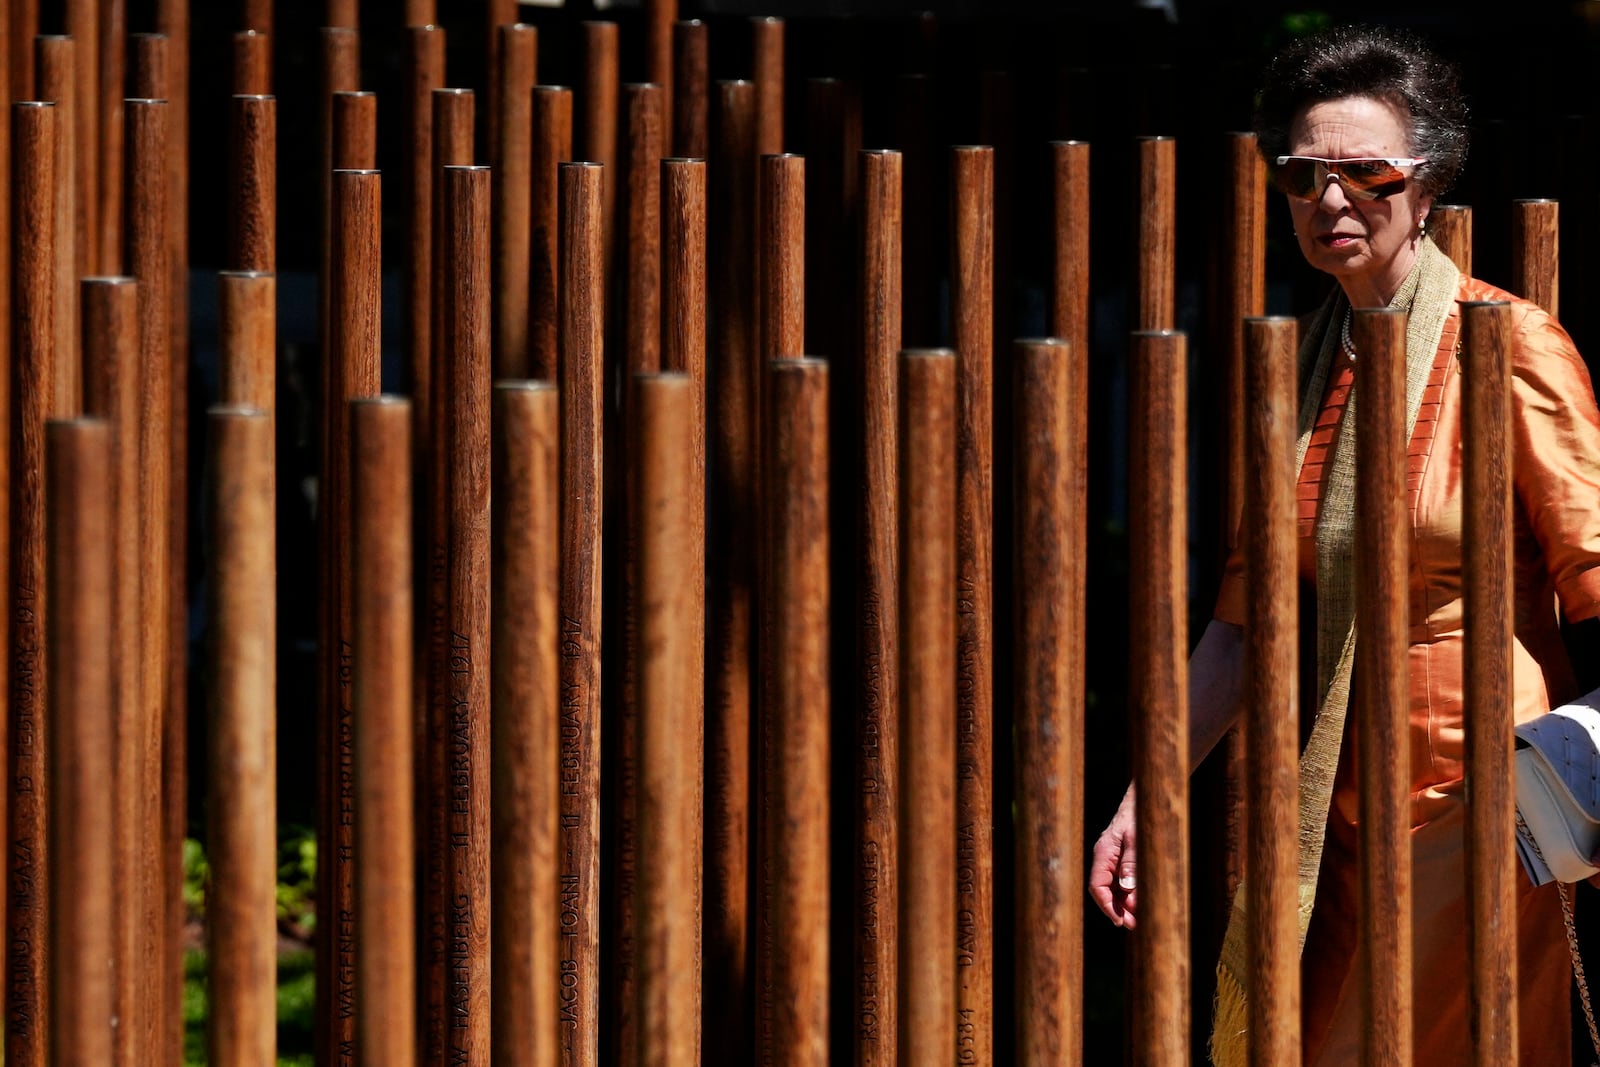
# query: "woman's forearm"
1216, 680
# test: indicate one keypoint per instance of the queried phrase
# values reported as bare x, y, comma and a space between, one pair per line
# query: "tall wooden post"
1450, 227
597, 111
526, 798
1487, 539
1158, 228
381, 478
552, 145
1381, 690
253, 183
56, 74
242, 933
247, 321
691, 92
1159, 690
1536, 252
511, 135
78, 574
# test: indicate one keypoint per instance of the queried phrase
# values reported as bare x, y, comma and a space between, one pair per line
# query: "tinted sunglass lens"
1298, 178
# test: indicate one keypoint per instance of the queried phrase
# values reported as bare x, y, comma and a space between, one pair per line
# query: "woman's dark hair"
1386, 64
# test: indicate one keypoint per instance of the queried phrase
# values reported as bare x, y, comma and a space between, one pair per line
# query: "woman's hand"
1112, 883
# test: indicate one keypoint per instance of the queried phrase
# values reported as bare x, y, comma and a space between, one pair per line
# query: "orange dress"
1557, 562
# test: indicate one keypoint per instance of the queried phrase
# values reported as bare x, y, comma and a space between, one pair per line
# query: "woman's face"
1368, 245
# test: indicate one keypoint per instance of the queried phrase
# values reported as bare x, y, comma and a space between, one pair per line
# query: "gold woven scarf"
1430, 293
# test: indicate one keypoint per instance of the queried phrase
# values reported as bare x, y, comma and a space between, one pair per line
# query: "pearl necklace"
1344, 336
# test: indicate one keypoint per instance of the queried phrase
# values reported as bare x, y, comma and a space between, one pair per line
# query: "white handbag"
1558, 792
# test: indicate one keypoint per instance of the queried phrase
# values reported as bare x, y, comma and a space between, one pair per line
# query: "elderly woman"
1362, 129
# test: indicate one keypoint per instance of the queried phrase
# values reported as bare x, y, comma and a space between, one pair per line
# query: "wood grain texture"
241, 763
351, 372
55, 65
792, 1025
1158, 227
257, 15
34, 129
691, 89
643, 151
783, 256
1158, 690
1051, 576
355, 131
1069, 302
421, 13
1243, 295
670, 612
1487, 502
1271, 693
148, 257
972, 318
424, 72
1536, 252
552, 145
734, 449
659, 17
252, 63
112, 89
913, 134
78, 654
381, 498
111, 392
511, 135
1380, 690
928, 432
597, 119
767, 72
248, 327
253, 183
24, 27
344, 14
877, 762
467, 341
82, 24
1450, 227
498, 14
582, 490
339, 59
526, 799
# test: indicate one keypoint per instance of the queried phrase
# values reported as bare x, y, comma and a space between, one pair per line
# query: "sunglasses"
1306, 177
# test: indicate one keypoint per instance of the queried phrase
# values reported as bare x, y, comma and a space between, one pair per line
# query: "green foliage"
196, 875
296, 997
297, 879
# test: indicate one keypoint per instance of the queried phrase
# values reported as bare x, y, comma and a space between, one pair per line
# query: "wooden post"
351, 372
597, 104
421, 13
258, 15
691, 89
344, 14
112, 89
1158, 193
34, 129
914, 107
929, 1024
1383, 551
1450, 226
1069, 304
670, 565
24, 27
56, 73
783, 256
1051, 576
660, 16
452, 146
149, 262
424, 66
247, 316
79, 658
242, 931
767, 71
552, 144
526, 721
877, 763
381, 553
498, 15
1159, 690
82, 25
252, 63
582, 489
466, 334
111, 392
1536, 252
511, 135
341, 73
1487, 503
972, 323
355, 131
731, 533
253, 182
1271, 693
793, 1026
643, 153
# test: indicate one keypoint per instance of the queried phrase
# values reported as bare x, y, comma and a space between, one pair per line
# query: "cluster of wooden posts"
817, 575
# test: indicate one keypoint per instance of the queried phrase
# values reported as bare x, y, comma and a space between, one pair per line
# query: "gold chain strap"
1572, 941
